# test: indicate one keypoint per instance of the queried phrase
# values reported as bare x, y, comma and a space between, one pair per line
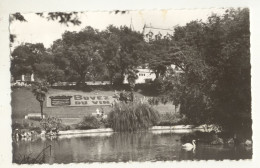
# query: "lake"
124, 147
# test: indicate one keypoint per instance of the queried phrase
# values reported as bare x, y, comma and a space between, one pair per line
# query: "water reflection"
124, 147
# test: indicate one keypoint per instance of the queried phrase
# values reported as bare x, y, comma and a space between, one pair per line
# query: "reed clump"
132, 116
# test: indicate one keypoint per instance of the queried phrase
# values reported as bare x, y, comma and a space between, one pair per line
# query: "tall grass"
132, 116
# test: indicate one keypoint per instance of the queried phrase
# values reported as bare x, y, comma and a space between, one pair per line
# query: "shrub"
89, 122
106, 123
132, 116
51, 124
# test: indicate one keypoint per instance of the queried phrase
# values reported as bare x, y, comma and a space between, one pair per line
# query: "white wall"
143, 74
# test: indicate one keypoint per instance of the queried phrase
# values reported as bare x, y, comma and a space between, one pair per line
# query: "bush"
51, 124
106, 123
89, 122
132, 116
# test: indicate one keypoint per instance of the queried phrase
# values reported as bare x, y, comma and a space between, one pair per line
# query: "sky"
40, 30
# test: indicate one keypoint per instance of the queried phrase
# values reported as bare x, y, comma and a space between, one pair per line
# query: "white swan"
189, 146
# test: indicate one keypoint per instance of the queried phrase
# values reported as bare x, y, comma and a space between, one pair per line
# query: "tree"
49, 72
172, 87
24, 58
40, 90
123, 49
229, 41
35, 59
158, 56
110, 54
62, 62
61, 17
13, 17
96, 69
82, 51
215, 58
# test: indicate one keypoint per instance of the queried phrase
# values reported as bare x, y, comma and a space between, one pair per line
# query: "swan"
189, 146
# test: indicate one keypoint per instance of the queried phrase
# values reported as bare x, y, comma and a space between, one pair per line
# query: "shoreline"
176, 129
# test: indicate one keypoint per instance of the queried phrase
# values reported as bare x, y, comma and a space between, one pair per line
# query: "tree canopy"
215, 86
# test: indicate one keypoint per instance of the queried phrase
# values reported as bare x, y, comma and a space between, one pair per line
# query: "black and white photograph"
120, 86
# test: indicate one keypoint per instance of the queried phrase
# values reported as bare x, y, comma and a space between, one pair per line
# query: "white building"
144, 76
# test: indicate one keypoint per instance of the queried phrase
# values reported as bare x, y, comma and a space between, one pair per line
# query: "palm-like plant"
132, 76
40, 90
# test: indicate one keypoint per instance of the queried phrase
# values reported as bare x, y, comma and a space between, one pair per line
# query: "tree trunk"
41, 104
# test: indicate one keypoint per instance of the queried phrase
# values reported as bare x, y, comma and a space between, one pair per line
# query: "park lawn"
24, 102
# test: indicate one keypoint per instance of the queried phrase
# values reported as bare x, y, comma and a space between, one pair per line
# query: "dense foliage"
89, 122
215, 86
51, 124
132, 116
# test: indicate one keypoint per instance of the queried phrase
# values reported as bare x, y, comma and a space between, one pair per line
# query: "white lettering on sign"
55, 100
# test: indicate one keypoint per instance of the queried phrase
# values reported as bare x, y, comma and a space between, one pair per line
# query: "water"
124, 147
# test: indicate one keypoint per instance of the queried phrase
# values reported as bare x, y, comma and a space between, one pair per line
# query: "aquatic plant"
132, 116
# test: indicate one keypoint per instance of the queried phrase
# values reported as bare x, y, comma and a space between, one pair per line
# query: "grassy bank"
24, 102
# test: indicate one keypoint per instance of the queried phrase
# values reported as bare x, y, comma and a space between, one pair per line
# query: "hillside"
24, 102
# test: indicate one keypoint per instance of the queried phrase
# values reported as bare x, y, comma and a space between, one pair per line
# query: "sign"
81, 99
60, 100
